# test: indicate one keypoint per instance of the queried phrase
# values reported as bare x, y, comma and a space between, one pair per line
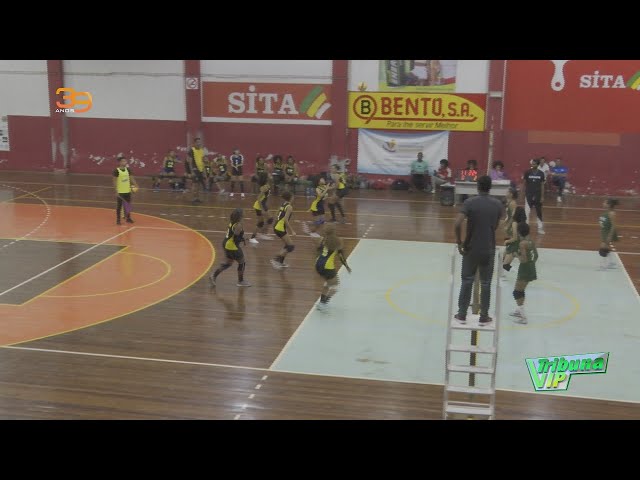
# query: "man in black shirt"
534, 191
483, 214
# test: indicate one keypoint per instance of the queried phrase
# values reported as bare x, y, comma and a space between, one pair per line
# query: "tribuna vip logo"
554, 373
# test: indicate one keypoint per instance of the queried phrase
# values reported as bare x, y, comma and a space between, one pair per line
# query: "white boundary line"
46, 217
633, 287
237, 367
65, 261
311, 310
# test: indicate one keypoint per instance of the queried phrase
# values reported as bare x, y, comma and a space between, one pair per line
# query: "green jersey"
605, 228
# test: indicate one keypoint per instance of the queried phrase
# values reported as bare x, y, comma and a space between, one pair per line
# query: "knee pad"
518, 294
270, 221
261, 224
241, 266
290, 248
603, 252
318, 222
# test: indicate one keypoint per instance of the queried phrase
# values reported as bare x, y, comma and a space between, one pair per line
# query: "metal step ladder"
470, 400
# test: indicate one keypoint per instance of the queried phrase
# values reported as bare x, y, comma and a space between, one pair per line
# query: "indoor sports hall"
106, 320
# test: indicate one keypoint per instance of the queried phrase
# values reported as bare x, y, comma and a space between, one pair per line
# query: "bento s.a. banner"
415, 111
288, 103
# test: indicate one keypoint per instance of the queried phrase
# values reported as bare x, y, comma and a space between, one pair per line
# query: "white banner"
4, 134
392, 153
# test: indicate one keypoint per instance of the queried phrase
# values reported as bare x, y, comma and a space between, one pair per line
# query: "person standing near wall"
483, 214
237, 162
534, 192
196, 159
559, 176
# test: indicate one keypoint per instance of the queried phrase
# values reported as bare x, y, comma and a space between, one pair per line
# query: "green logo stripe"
308, 100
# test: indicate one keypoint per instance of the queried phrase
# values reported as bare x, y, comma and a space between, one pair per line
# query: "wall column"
193, 101
339, 101
495, 103
59, 135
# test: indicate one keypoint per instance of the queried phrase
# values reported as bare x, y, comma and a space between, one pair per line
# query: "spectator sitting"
168, 171
497, 172
443, 174
261, 175
470, 174
559, 176
290, 174
420, 175
277, 174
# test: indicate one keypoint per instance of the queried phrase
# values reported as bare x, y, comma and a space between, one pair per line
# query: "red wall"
144, 141
30, 144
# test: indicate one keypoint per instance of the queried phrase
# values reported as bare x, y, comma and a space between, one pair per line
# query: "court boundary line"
363, 214
626, 274
249, 193
65, 261
311, 310
289, 372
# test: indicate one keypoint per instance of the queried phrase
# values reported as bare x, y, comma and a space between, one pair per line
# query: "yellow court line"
165, 275
574, 301
67, 279
358, 214
213, 258
25, 195
53, 240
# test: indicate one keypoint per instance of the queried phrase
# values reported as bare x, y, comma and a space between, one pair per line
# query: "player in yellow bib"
123, 182
329, 254
317, 208
340, 191
262, 210
283, 230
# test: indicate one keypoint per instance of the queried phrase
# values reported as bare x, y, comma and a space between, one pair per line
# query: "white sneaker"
305, 228
277, 265
516, 313
322, 306
231, 194
243, 283
254, 241
521, 320
242, 195
262, 236
559, 199
284, 265
314, 235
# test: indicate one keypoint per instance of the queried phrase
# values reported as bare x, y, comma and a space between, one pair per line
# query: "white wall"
130, 89
267, 71
472, 75
24, 88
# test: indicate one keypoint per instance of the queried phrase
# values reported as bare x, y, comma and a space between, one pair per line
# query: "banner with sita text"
415, 111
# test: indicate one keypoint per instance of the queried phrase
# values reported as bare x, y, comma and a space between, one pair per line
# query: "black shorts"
258, 212
198, 176
320, 210
236, 255
236, 171
342, 193
279, 233
328, 274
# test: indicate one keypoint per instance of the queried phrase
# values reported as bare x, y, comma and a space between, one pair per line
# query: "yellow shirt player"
283, 230
317, 208
232, 251
330, 252
260, 206
124, 184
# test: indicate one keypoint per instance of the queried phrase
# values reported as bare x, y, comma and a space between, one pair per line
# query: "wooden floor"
205, 354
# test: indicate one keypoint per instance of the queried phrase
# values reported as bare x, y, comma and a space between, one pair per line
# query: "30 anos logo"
74, 99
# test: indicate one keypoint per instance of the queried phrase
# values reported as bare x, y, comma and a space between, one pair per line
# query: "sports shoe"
276, 264
242, 195
541, 231
305, 228
521, 320
254, 241
129, 220
460, 318
231, 194
284, 265
314, 235
243, 283
516, 313
485, 320
322, 306
559, 199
